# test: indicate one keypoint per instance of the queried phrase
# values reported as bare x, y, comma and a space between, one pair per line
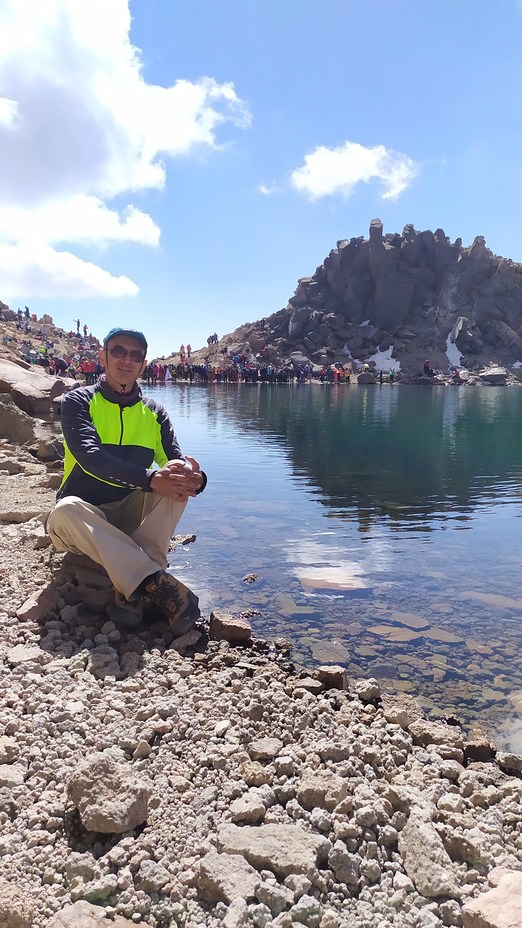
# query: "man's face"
124, 360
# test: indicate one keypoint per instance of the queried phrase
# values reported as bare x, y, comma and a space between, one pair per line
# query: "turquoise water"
383, 524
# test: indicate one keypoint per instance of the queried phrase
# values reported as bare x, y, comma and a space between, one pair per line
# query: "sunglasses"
118, 351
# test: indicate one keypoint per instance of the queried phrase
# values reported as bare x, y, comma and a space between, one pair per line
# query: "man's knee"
69, 513
63, 510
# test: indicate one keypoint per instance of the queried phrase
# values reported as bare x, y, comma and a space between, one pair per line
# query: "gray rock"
333, 676
17, 909
85, 915
307, 911
344, 864
265, 749
151, 876
425, 733
8, 750
510, 763
248, 809
110, 796
500, 907
226, 877
283, 849
21, 654
276, 898
324, 788
50, 448
426, 861
32, 391
237, 914
40, 605
367, 690
11, 775
15, 425
225, 627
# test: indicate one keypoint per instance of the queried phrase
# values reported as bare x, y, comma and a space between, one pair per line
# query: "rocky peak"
410, 296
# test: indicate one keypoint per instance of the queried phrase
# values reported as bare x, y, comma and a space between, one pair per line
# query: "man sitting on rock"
125, 486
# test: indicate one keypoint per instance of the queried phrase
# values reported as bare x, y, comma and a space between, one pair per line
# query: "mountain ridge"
396, 299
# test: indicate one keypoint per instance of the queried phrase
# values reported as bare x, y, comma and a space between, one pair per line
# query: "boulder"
225, 627
426, 860
86, 915
31, 390
15, 425
494, 375
283, 849
500, 907
16, 908
50, 448
227, 876
111, 797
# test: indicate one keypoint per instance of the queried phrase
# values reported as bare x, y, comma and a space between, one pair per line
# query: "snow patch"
453, 354
384, 361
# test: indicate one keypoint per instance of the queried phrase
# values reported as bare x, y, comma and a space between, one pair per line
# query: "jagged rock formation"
415, 293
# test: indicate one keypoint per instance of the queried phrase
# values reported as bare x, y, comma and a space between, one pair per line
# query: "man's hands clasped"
179, 479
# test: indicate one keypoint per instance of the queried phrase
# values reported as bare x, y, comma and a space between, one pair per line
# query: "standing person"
125, 486
77, 321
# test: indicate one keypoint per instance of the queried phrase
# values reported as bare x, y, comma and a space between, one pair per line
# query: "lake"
382, 524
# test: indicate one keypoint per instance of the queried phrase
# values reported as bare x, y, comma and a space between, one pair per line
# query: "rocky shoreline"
204, 782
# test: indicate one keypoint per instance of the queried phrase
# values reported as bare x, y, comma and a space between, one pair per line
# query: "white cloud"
38, 270
8, 113
79, 126
328, 171
268, 190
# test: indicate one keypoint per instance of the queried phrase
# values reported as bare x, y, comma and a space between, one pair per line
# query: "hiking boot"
178, 604
123, 613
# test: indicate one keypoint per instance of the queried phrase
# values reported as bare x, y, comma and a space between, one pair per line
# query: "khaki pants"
130, 538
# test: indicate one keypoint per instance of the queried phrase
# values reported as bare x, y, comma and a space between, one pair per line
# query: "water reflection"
389, 452
383, 525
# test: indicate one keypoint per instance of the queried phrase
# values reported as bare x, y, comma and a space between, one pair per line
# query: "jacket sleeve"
92, 456
168, 448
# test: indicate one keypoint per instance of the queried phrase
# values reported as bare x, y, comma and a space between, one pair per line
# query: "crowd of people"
80, 361
240, 369
38, 343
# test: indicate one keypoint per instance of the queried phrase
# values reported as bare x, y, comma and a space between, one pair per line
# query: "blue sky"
176, 166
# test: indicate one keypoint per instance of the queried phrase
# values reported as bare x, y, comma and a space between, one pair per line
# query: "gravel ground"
206, 783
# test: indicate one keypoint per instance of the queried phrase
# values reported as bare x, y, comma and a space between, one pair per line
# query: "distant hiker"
85, 331
77, 321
